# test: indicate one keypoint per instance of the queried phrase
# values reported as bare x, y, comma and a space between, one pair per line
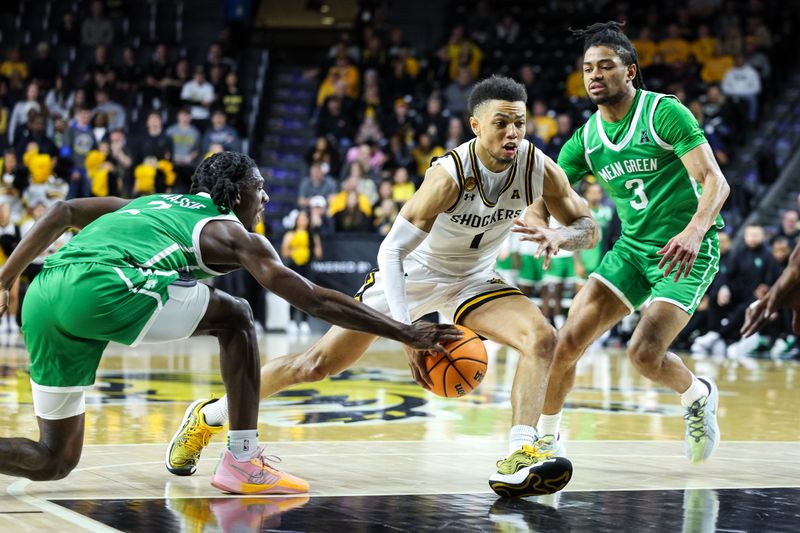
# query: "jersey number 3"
638, 190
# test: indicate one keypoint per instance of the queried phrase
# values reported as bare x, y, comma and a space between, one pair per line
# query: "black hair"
610, 34
496, 88
220, 176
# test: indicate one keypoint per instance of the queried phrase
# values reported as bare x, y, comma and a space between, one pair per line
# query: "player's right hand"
419, 370
548, 240
432, 337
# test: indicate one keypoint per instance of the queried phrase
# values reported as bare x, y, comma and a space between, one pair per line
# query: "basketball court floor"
381, 454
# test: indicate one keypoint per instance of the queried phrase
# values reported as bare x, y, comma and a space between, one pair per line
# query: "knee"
539, 341
58, 466
569, 348
645, 356
315, 366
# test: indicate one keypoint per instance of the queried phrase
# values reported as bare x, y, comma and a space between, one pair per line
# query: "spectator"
398, 154
703, 46
339, 201
788, 229
158, 76
121, 157
563, 134
674, 48
59, 99
186, 147
154, 143
716, 66
326, 155
44, 68
433, 121
645, 47
742, 83
232, 102
341, 71
352, 219
129, 77
424, 152
574, 84
507, 31
99, 127
712, 135
481, 22
14, 181
174, 81
79, 138
199, 93
545, 126
19, 115
215, 57
97, 29
373, 56
456, 93
320, 222
316, 184
384, 215
455, 134
114, 112
462, 53
402, 187
221, 133
527, 77
68, 32
35, 132
366, 186
14, 66
299, 247
659, 74
333, 121
759, 61
398, 82
100, 73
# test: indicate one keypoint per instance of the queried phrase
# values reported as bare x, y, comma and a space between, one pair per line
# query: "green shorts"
530, 269
561, 269
505, 264
71, 313
630, 270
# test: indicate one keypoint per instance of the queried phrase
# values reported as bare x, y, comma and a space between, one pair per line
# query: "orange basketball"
462, 370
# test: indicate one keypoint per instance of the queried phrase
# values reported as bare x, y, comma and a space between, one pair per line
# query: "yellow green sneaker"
530, 471
183, 451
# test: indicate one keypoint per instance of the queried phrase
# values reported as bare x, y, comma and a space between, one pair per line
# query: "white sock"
243, 443
696, 390
216, 413
520, 435
549, 424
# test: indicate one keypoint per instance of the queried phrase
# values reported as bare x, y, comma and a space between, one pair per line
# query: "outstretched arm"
229, 243
578, 231
681, 251
61, 216
784, 293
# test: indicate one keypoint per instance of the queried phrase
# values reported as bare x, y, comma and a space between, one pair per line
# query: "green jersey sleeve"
676, 125
572, 158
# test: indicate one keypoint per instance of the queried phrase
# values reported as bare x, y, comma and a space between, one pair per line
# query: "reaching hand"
433, 337
784, 293
548, 239
419, 371
681, 251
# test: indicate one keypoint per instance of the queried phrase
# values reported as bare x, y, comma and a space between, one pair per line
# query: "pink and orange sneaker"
254, 477
254, 514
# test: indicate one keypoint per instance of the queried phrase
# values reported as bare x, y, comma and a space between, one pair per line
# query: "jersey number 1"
476, 241
638, 189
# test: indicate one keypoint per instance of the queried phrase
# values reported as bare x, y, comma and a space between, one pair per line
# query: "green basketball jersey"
637, 161
159, 234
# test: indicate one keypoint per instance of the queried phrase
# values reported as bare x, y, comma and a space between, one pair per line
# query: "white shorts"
177, 320
428, 291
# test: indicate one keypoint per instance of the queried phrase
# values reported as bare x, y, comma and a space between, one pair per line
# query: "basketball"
462, 370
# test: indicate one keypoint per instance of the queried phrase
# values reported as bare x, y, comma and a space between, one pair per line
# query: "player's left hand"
419, 371
784, 293
681, 252
549, 240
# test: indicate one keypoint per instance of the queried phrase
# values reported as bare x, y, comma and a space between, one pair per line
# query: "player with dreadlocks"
649, 154
130, 276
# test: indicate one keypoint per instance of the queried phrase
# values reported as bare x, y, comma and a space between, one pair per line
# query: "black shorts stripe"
476, 301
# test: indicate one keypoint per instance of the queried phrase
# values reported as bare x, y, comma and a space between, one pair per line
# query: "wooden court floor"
382, 454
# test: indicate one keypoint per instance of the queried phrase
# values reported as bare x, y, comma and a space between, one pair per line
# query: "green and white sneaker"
550, 444
530, 472
702, 430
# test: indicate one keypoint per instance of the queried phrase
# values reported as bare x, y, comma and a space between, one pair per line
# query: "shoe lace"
266, 459
537, 452
696, 418
196, 439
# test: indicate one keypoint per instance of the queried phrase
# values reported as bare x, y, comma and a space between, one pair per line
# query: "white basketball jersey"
467, 237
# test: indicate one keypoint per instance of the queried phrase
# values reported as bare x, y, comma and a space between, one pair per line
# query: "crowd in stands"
385, 109
134, 120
